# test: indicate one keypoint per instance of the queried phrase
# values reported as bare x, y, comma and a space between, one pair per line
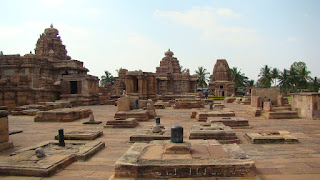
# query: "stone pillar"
177, 134
267, 106
124, 103
4, 129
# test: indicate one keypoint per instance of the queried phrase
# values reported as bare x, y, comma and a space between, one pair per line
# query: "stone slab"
147, 135
119, 123
218, 131
25, 163
139, 115
271, 137
81, 135
234, 122
62, 115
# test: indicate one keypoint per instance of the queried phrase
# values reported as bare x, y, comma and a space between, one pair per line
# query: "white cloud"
227, 12
292, 39
93, 11
10, 31
205, 19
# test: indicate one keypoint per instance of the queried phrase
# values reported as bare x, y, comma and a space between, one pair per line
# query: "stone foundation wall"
307, 104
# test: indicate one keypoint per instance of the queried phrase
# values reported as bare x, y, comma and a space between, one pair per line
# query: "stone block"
124, 103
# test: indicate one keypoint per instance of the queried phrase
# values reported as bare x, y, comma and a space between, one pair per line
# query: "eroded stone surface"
234, 122
218, 131
26, 163
271, 137
81, 135
206, 158
122, 123
62, 115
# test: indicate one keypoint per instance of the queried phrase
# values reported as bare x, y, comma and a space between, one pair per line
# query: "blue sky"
134, 34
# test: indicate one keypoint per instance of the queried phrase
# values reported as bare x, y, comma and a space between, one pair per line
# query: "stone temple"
48, 75
221, 83
170, 79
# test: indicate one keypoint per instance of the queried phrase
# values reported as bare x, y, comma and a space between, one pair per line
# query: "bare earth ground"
273, 161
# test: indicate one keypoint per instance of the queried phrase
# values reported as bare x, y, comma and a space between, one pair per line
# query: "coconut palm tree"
238, 78
275, 75
265, 77
107, 77
284, 80
202, 77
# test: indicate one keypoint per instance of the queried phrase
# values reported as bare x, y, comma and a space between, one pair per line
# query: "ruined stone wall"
267, 93
307, 104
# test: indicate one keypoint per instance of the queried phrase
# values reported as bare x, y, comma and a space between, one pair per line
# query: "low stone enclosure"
62, 115
188, 103
147, 135
122, 123
234, 122
46, 158
203, 115
81, 135
31, 110
218, 131
190, 159
271, 137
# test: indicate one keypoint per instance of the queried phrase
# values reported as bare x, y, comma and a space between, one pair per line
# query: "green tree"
275, 75
202, 77
314, 85
265, 77
118, 70
238, 78
107, 77
183, 70
284, 80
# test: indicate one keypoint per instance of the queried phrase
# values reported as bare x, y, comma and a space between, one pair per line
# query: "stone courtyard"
272, 161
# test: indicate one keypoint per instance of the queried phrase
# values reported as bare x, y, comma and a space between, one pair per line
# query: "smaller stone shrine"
218, 131
81, 135
234, 122
4, 129
271, 137
48, 157
221, 83
62, 115
141, 84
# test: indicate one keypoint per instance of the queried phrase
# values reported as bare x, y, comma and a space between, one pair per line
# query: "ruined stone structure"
119, 86
141, 84
221, 83
45, 75
307, 104
170, 79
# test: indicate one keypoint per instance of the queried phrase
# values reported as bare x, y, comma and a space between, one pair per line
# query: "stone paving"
273, 161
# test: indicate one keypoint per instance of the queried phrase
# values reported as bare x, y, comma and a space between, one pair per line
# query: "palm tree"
304, 77
238, 78
265, 77
118, 70
284, 80
275, 75
107, 77
202, 77
183, 70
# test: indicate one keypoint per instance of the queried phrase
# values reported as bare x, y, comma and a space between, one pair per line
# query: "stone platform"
188, 103
146, 135
122, 123
202, 116
32, 109
138, 114
62, 115
81, 135
280, 115
191, 159
234, 122
218, 131
271, 137
25, 162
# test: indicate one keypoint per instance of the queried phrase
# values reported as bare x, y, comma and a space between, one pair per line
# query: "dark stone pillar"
158, 120
211, 106
136, 103
61, 138
177, 134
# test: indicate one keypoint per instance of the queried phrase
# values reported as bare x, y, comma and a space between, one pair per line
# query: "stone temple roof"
168, 53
